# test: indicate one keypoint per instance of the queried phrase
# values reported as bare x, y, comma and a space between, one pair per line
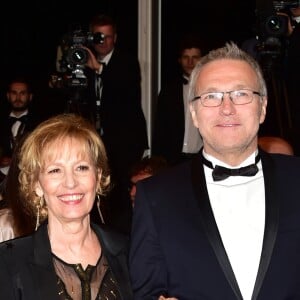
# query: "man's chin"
19, 108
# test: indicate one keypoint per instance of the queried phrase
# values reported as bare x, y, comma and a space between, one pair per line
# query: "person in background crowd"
275, 144
224, 225
145, 168
16, 118
174, 135
63, 169
292, 74
15, 219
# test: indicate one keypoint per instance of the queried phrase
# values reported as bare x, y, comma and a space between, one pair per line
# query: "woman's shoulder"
111, 239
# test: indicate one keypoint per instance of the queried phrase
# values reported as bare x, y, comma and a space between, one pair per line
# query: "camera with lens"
273, 27
276, 24
74, 56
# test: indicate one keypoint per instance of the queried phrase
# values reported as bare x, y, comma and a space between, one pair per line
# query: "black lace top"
93, 283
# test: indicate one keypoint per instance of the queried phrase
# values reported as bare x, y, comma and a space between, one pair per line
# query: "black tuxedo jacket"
176, 247
169, 122
27, 271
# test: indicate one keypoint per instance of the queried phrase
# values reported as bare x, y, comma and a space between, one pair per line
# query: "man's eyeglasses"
238, 97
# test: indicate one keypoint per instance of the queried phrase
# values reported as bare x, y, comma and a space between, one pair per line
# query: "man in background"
174, 135
17, 118
115, 94
143, 169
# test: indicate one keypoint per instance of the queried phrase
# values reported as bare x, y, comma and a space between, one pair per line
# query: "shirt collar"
107, 57
215, 161
12, 114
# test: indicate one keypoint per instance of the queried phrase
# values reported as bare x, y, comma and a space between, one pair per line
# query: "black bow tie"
103, 67
184, 80
15, 119
221, 173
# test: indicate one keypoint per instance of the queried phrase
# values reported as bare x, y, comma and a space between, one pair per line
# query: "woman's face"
68, 181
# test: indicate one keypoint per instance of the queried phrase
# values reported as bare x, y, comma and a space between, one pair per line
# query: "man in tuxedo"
17, 116
224, 225
174, 135
114, 92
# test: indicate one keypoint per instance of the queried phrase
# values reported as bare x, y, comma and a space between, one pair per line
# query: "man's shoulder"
279, 158
281, 165
124, 56
171, 175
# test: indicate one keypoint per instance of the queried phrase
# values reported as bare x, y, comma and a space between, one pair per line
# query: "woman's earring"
99, 209
39, 207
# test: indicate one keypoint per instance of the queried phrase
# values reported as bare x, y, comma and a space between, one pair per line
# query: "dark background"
216, 21
31, 30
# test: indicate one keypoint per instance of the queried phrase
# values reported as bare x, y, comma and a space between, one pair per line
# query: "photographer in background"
277, 48
114, 92
292, 74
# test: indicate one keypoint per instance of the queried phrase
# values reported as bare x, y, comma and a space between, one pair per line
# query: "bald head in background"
273, 144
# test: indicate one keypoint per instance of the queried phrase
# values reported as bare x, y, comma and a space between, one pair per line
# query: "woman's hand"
164, 298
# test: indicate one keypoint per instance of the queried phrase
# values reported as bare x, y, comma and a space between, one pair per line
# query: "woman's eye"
53, 171
83, 168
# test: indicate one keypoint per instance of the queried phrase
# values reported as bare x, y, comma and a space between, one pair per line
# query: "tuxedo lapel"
271, 222
209, 223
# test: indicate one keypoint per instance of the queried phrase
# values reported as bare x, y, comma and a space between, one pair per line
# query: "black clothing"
168, 132
27, 271
7, 141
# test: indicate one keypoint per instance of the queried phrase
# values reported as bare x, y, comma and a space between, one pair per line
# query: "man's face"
228, 127
295, 11
19, 96
110, 38
189, 59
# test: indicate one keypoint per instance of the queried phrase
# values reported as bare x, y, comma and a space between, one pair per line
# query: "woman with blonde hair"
63, 169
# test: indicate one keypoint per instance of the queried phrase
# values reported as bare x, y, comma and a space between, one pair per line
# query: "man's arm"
146, 260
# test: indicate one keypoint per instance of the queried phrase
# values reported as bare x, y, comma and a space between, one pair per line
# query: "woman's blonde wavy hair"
35, 149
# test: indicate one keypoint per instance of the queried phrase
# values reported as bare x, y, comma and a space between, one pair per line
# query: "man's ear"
263, 110
193, 113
